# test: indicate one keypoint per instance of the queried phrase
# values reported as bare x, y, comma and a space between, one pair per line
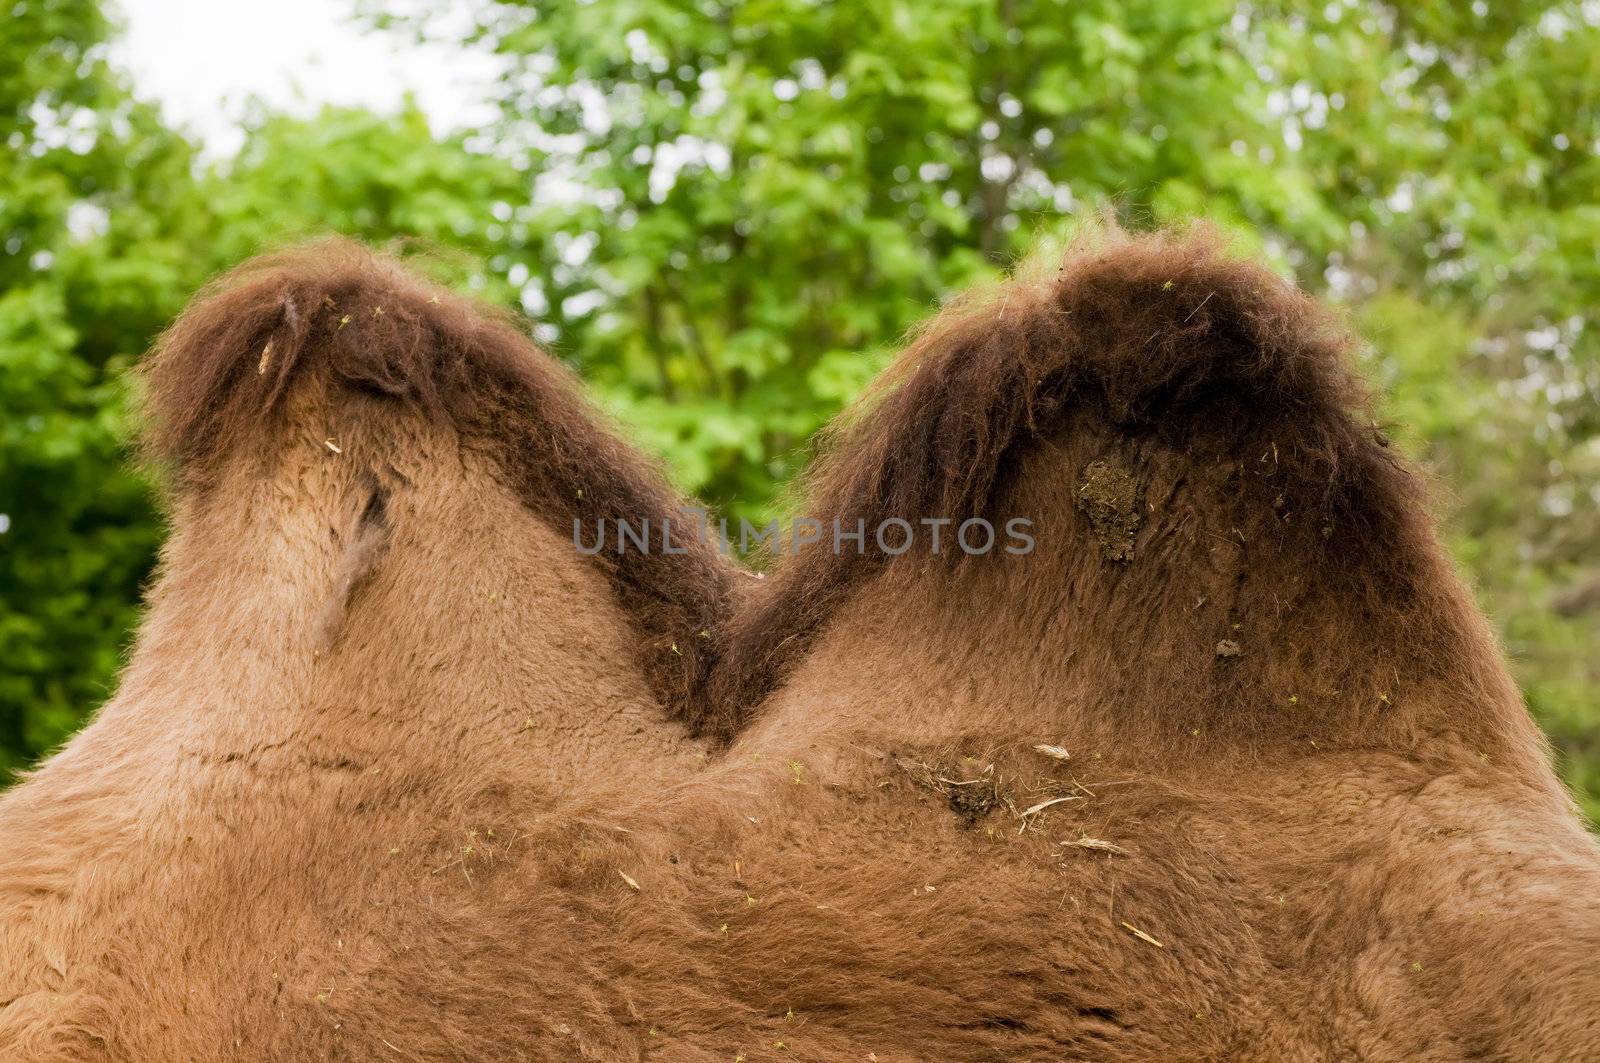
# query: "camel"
1226, 766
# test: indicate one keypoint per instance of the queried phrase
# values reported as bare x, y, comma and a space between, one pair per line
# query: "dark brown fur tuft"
1161, 336
335, 311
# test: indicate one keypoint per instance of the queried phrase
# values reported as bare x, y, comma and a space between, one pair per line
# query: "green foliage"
384, 179
727, 215
744, 206
84, 180
107, 224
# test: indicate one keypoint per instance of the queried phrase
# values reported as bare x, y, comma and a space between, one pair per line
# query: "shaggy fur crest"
357, 322
1164, 336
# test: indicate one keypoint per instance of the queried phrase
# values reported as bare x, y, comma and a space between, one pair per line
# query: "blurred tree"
88, 271
107, 224
741, 206
382, 178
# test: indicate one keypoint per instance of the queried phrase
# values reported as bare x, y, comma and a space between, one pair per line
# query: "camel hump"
1128, 372
1164, 335
357, 322
333, 308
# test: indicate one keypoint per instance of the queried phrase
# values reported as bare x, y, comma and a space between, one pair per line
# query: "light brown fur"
395, 780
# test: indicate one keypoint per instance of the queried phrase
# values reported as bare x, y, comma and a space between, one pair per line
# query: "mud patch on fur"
1109, 497
971, 799
1023, 782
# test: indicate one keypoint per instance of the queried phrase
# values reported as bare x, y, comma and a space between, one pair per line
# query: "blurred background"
726, 214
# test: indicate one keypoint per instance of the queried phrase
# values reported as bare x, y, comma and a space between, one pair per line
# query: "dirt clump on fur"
972, 800
1010, 783
1109, 497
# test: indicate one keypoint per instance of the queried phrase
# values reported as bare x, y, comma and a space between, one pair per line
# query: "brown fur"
218, 377
461, 830
1162, 337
